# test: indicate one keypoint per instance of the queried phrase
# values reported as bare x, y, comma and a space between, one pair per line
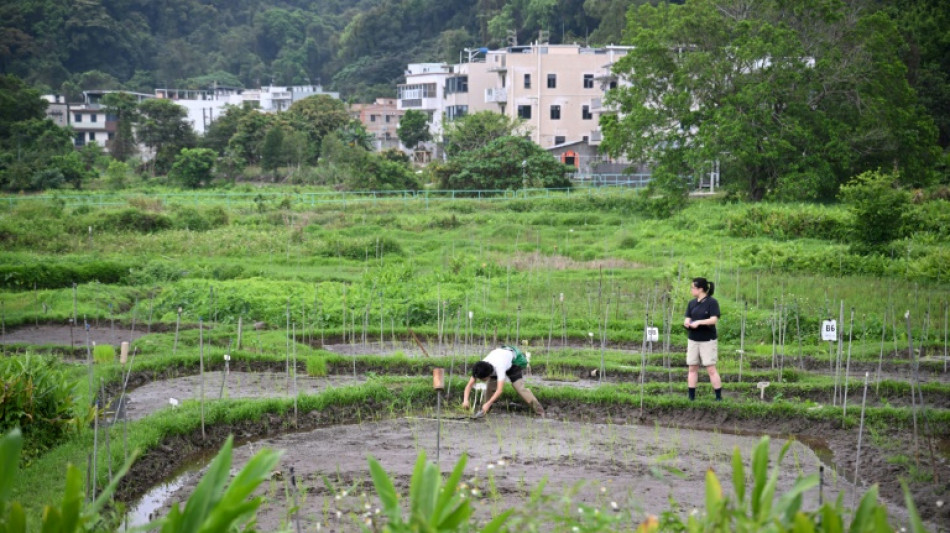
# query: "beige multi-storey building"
381, 120
556, 90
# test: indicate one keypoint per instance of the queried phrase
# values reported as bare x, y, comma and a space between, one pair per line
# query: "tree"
163, 128
125, 108
505, 163
791, 100
193, 167
317, 116
476, 130
272, 154
413, 129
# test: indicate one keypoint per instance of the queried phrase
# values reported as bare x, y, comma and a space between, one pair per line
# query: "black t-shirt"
696, 310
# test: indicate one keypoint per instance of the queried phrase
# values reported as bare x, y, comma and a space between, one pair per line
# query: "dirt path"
635, 468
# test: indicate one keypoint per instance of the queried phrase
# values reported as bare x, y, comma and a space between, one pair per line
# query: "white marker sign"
829, 330
653, 334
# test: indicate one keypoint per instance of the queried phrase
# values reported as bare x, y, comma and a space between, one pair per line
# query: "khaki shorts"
706, 352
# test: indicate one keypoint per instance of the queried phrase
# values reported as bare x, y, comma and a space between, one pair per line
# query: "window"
80, 139
93, 117
77, 117
458, 84
613, 84
585, 113
552, 81
111, 135
92, 136
527, 81
555, 112
372, 118
387, 119
559, 139
524, 111
588, 81
455, 111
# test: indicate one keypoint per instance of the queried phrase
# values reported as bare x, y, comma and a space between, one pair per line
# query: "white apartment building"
557, 90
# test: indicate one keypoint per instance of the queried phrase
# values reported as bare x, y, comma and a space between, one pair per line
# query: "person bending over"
501, 365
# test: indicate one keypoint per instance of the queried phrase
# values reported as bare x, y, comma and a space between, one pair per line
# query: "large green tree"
504, 163
413, 129
162, 127
475, 130
125, 108
316, 116
791, 97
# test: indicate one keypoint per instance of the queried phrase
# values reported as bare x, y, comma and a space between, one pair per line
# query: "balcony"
498, 96
596, 105
596, 137
410, 102
499, 65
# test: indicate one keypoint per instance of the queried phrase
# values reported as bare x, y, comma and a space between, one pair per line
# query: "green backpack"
520, 358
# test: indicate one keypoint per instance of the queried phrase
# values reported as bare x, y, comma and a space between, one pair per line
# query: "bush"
359, 248
193, 167
788, 222
49, 275
878, 208
194, 219
134, 220
38, 398
498, 165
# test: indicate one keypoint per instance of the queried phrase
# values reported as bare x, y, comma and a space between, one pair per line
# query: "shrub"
788, 222
195, 219
38, 397
498, 165
878, 208
133, 220
51, 275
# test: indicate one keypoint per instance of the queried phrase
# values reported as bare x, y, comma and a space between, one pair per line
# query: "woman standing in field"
702, 313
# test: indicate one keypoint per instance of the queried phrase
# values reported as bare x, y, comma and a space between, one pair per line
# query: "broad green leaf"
864, 514
450, 487
386, 491
916, 525
760, 464
789, 503
456, 518
803, 524
16, 518
713, 495
232, 507
10, 446
72, 500
206, 493
497, 523
738, 475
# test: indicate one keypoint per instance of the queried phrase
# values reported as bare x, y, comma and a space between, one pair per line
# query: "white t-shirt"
500, 359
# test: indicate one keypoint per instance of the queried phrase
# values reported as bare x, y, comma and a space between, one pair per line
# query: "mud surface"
46, 335
153, 396
633, 468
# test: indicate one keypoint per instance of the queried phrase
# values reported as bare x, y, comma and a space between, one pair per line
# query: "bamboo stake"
847, 371
201, 370
857, 458
913, 394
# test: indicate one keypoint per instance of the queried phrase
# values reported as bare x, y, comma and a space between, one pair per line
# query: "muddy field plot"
52, 335
624, 469
153, 396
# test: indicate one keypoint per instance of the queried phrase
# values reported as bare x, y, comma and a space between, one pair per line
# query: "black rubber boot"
692, 394
718, 394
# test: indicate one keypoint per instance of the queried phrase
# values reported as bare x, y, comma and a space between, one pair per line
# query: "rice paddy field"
311, 324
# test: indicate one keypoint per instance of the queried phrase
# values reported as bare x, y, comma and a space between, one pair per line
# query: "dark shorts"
514, 373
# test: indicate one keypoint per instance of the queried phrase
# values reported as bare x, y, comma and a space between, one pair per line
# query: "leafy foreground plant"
212, 507
433, 505
758, 510
73, 514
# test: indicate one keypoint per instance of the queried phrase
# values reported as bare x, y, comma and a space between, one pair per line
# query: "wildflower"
603, 490
490, 467
501, 462
939, 503
613, 505
580, 510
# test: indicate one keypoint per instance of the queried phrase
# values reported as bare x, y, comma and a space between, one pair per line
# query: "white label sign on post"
829, 330
653, 334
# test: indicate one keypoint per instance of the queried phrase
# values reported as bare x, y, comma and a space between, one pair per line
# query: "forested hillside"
358, 47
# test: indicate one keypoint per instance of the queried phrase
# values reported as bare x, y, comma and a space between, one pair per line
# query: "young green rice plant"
103, 354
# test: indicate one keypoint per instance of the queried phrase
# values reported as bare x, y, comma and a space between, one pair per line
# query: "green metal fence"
304, 200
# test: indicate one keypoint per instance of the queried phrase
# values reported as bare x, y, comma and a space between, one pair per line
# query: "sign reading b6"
829, 330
